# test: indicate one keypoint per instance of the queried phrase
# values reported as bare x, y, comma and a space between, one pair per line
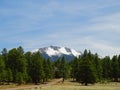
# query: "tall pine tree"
115, 68
36, 69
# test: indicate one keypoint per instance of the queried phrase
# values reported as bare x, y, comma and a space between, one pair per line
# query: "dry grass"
67, 85
7, 86
76, 86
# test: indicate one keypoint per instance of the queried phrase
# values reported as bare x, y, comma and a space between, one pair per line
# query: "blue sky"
78, 24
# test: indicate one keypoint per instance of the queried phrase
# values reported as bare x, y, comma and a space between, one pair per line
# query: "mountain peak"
55, 52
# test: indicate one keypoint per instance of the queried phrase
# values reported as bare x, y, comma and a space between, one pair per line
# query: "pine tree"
28, 57
63, 68
17, 63
106, 67
45, 69
2, 70
4, 55
57, 69
86, 72
115, 68
98, 68
119, 67
4, 51
19, 78
50, 69
9, 76
75, 68
20, 50
36, 69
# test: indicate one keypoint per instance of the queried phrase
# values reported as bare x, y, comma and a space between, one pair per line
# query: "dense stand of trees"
17, 66
89, 68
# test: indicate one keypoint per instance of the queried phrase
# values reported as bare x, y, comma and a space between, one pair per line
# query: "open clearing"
67, 85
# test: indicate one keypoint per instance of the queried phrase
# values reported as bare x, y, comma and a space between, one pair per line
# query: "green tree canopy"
86, 72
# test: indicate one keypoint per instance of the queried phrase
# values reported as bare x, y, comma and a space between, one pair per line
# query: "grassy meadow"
67, 85
77, 86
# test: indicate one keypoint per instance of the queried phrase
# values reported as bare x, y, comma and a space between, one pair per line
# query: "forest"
17, 66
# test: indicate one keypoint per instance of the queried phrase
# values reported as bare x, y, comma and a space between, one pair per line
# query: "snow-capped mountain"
54, 52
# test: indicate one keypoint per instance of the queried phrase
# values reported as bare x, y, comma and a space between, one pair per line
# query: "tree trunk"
63, 80
86, 83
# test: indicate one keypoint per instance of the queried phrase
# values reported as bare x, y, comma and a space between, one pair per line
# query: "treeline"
89, 68
17, 66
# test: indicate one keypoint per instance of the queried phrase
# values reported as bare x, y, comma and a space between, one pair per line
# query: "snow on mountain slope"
63, 50
51, 51
54, 52
75, 53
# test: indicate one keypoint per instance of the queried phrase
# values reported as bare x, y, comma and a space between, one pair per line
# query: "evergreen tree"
86, 72
97, 66
4, 51
75, 68
28, 56
17, 63
20, 50
36, 69
45, 69
50, 69
106, 67
63, 68
2, 70
57, 72
4, 54
85, 53
115, 68
9, 76
19, 78
119, 66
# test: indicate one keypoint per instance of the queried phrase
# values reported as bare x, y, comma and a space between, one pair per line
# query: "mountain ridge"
56, 52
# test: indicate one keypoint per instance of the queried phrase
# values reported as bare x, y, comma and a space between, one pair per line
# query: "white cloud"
103, 48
